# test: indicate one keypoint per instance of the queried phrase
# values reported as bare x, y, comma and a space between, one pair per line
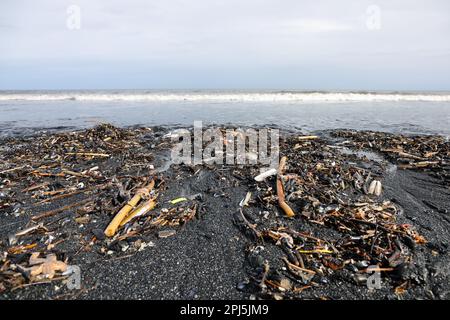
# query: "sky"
225, 44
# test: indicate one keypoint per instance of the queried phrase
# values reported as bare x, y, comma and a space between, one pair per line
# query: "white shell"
266, 174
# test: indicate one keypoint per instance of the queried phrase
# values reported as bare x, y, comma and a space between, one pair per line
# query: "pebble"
12, 239
362, 264
242, 286
166, 233
99, 234
360, 279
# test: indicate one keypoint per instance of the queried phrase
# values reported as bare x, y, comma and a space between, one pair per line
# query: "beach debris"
123, 214
99, 234
248, 228
166, 233
375, 188
69, 184
178, 200
305, 275
330, 192
47, 267
262, 176
142, 209
429, 153
307, 137
280, 190
341, 225
30, 230
244, 202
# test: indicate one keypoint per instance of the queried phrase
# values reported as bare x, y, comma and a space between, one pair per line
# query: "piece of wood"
307, 137
141, 210
11, 170
32, 188
123, 213
62, 196
280, 192
56, 211
88, 154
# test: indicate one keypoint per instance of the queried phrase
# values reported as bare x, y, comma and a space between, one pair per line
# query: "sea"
24, 112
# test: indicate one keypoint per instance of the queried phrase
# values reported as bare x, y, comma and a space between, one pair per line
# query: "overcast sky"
247, 44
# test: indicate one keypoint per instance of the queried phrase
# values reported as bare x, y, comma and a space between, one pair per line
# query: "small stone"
242, 286
286, 284
360, 279
277, 296
166, 233
12, 239
145, 245
137, 244
352, 268
83, 220
99, 234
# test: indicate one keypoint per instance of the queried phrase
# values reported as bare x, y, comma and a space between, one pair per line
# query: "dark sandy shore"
215, 255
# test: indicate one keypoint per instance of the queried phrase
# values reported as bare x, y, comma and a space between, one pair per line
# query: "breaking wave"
225, 96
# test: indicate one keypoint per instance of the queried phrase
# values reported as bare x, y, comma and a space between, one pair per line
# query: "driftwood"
280, 191
125, 211
56, 211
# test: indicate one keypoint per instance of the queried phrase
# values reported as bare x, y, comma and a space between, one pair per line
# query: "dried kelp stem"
307, 137
88, 154
56, 211
123, 213
141, 210
280, 191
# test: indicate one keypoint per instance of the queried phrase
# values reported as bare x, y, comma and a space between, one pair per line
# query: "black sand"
206, 258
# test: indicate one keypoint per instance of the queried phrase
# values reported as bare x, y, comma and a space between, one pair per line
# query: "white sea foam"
224, 96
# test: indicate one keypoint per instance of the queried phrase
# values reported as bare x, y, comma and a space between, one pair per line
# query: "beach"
207, 238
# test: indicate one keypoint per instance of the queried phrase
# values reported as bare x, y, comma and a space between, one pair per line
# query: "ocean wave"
238, 97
